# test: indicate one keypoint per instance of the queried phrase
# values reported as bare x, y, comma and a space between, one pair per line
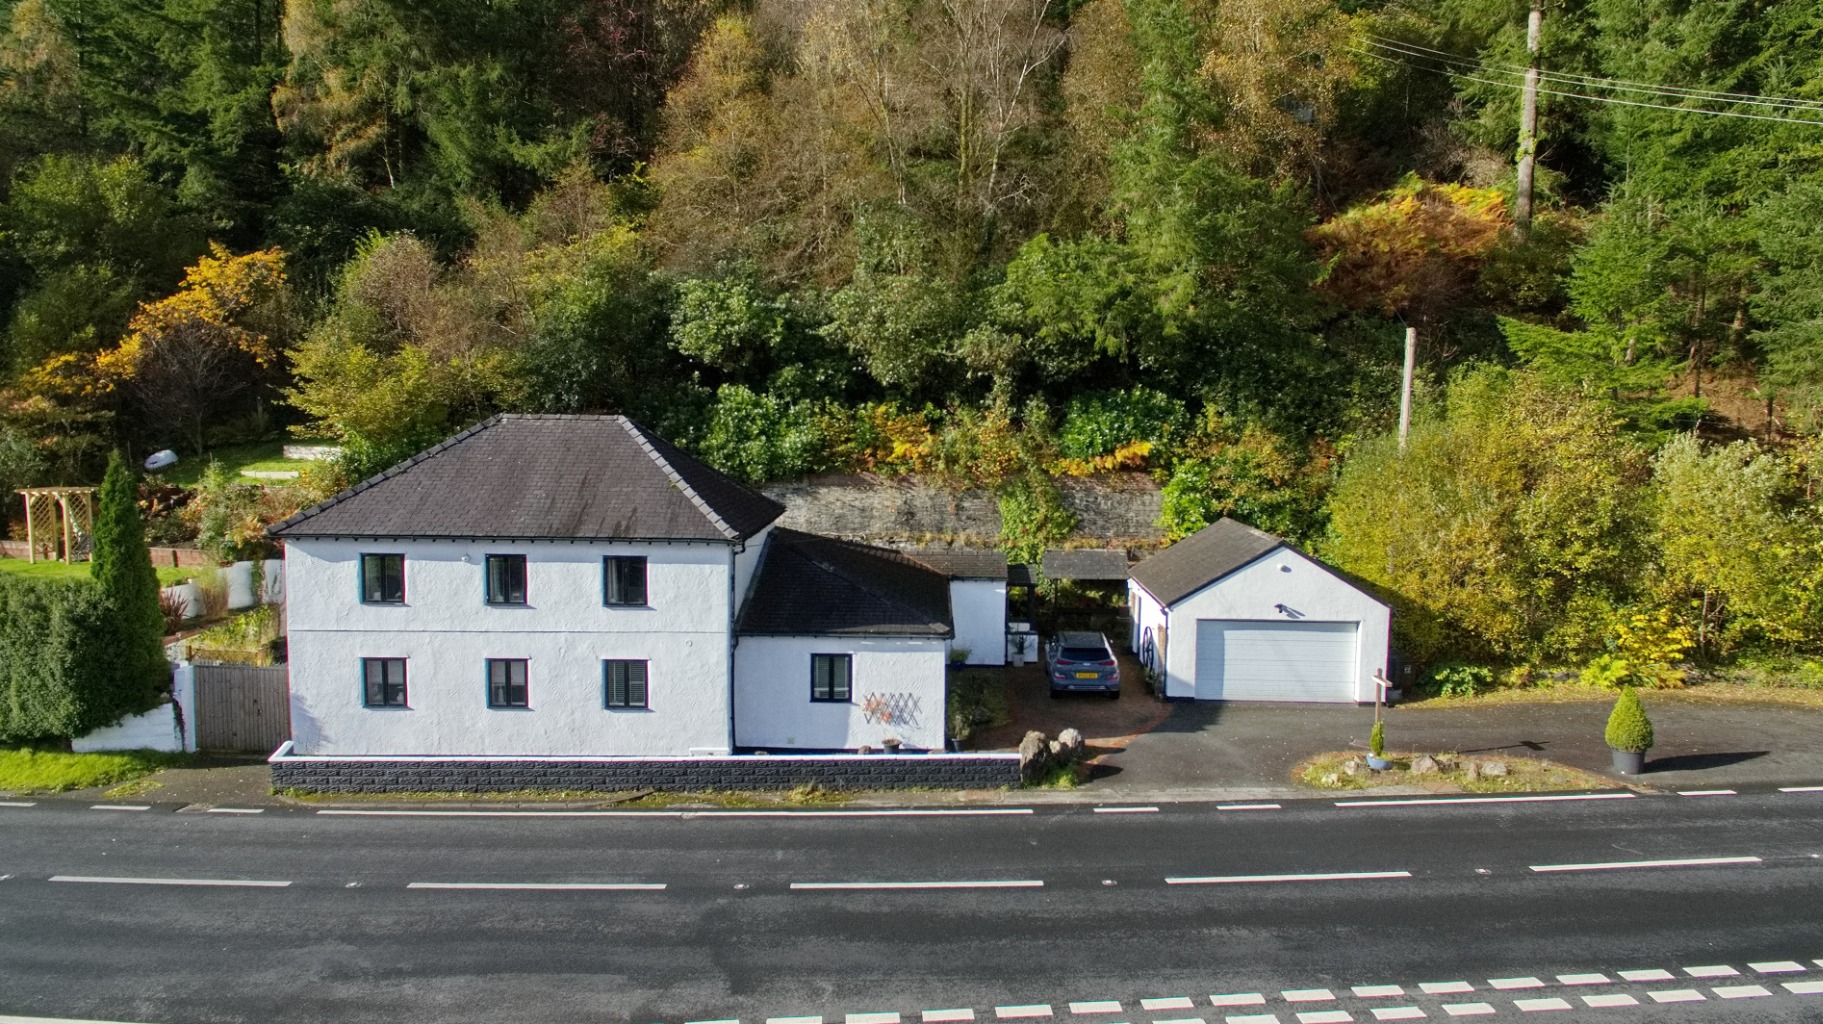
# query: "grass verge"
1523, 774
167, 575
50, 771
1713, 693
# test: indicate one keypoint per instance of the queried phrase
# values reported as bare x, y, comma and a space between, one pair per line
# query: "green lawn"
266, 456
167, 575
43, 771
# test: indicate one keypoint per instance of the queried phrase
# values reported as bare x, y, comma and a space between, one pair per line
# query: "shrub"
1628, 727
1100, 423
61, 670
245, 639
758, 437
1376, 740
1456, 679
1032, 517
1607, 671
123, 570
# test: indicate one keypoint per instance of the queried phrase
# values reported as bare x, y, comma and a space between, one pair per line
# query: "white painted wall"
1147, 614
774, 712
1281, 577
447, 631
746, 563
978, 610
156, 729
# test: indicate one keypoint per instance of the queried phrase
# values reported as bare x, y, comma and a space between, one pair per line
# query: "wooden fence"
242, 708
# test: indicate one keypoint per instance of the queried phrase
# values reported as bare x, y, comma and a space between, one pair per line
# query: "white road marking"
734, 1021
1398, 1013
1308, 995
546, 886
1326, 1017
18, 803
1741, 991
1804, 988
1028, 1010
1539, 1005
958, 812
1584, 979
1778, 967
120, 807
1445, 988
250, 883
1713, 971
1125, 810
794, 1020
1169, 1003
1801, 789
236, 810
1340, 876
1508, 984
1686, 862
1652, 975
1468, 1009
1096, 1006
1248, 807
1238, 999
1677, 995
872, 1018
1378, 991
1433, 801
1612, 999
1181, 1020
1707, 792
1028, 883
4, 1019
947, 1016
1252, 1018
347, 813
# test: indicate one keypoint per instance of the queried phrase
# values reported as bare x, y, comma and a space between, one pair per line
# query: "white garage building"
1234, 613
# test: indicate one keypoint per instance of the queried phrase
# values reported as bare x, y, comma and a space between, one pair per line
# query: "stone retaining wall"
1111, 509
506, 774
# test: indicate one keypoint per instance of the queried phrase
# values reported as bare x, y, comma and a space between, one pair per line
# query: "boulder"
1351, 766
1472, 772
1494, 769
1332, 779
1034, 757
1424, 764
1069, 745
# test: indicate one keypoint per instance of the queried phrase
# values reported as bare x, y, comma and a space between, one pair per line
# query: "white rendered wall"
774, 712
1281, 577
746, 563
978, 609
1147, 614
447, 631
156, 729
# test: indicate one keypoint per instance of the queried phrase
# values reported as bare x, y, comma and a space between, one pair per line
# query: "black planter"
1627, 762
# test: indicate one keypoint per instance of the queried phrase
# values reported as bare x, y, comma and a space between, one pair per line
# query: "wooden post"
31, 531
1405, 387
1528, 127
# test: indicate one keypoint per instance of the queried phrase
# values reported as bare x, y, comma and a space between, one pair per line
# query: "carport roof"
1202, 558
964, 563
1085, 564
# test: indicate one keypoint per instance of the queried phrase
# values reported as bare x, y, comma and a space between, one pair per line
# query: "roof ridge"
863, 584
677, 479
384, 475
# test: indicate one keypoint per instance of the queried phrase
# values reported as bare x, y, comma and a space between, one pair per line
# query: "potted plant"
1376, 748
891, 743
1020, 642
1629, 733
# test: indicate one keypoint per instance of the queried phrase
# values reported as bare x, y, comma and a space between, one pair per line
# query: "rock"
1424, 764
1494, 769
1069, 745
1351, 766
1472, 773
1332, 779
1034, 757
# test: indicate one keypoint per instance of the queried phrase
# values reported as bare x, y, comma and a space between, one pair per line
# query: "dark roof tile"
1202, 558
819, 586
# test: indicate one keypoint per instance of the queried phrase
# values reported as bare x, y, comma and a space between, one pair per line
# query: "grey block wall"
900, 771
1122, 507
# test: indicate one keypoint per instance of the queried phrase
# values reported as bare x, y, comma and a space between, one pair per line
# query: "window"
383, 579
385, 682
506, 579
623, 579
506, 683
625, 682
830, 675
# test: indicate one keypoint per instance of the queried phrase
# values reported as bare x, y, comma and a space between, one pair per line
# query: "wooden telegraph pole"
1528, 127
1405, 386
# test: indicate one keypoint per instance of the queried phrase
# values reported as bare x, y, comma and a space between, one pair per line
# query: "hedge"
63, 672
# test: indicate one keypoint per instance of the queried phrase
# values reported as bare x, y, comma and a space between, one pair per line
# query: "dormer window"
506, 579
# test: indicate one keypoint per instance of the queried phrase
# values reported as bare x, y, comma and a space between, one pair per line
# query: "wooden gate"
242, 707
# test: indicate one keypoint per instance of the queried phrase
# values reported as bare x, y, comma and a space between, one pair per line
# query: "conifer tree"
122, 568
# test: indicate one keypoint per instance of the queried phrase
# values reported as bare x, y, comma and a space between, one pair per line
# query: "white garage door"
1262, 660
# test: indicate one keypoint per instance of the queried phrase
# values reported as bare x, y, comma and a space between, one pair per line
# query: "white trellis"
891, 708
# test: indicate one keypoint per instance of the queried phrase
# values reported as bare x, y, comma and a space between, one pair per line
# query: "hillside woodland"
991, 241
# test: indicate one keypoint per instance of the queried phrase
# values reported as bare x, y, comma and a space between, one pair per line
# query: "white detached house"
574, 586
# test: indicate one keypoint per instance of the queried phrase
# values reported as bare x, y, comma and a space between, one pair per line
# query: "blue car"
1082, 663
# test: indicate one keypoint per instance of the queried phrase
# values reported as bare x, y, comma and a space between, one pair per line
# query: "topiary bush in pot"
1629, 733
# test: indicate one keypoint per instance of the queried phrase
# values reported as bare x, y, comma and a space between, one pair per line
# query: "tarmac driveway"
1247, 747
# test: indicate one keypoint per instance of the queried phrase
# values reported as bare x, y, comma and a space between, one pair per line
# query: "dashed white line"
1181, 1020
1741, 991
930, 812
1238, 999
1338, 876
1611, 999
1398, 1013
364, 813
1325, 1017
1434, 801
872, 1018
1707, 792
1652, 975
1617, 865
1095, 1006
1252, 1018
1021, 883
120, 807
733, 1021
1778, 967
236, 810
947, 1016
546, 886
18, 803
1804, 988
1801, 789
1540, 1005
1677, 995
247, 883
1468, 1009
1308, 995
1445, 988
1248, 807
794, 1020
1378, 991
1584, 979
1509, 984
1019, 1012
1125, 810
1712, 971
6, 1019
1168, 1003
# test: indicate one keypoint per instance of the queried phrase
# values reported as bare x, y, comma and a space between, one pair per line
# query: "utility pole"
1405, 388
1528, 126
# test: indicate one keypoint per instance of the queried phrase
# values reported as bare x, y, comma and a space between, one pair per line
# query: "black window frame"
644, 684
500, 694
612, 582
367, 594
506, 600
832, 695
368, 683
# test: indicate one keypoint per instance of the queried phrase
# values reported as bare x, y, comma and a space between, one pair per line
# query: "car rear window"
1084, 654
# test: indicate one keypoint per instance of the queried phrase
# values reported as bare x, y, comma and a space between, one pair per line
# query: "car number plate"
1088, 675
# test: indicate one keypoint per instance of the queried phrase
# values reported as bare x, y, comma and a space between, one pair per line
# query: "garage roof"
1202, 558
820, 586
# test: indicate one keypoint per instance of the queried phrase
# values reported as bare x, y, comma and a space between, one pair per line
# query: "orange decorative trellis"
59, 521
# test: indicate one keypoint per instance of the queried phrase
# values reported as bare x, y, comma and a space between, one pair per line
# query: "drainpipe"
734, 552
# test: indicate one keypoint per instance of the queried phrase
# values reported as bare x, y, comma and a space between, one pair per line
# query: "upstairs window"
506, 683
384, 680
506, 579
625, 683
623, 580
831, 676
383, 579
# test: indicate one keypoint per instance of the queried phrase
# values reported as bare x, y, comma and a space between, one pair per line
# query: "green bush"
1032, 517
1628, 727
758, 437
1376, 740
62, 672
1455, 679
1099, 422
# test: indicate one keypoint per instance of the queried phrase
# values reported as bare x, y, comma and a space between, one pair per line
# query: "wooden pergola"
51, 511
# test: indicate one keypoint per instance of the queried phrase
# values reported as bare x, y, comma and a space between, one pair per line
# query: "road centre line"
1678, 995
1308, 995
1804, 988
1398, 1013
734, 1021
1322, 1017
1712, 971
1338, 876
1125, 810
1584, 979
349, 813
1611, 999
958, 812
1445, 988
1021, 1012
1378, 991
1434, 801
1509, 984
794, 1020
246, 883
120, 807
546, 886
1023, 883
6, 1019
1741, 991
947, 1016
1536, 1005
1778, 967
1248, 807
1652, 975
18, 803
1238, 999
1801, 789
1095, 1006
1707, 792
1468, 1009
1168, 1003
1687, 862
871, 1018
236, 810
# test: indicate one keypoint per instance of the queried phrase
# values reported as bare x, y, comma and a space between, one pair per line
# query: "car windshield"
1084, 654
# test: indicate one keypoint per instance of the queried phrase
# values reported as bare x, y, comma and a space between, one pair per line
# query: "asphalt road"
773, 915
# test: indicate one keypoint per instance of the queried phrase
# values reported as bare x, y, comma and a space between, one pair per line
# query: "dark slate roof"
963, 563
1084, 564
1022, 574
819, 586
1202, 558
544, 477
